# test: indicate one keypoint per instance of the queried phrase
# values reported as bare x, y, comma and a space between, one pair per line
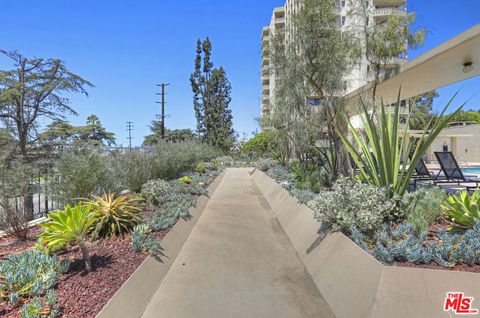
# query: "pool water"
471, 170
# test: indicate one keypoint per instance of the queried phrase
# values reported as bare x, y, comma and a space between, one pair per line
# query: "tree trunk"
85, 255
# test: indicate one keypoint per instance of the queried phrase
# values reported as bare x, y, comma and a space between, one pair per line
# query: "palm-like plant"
114, 216
378, 150
464, 210
70, 226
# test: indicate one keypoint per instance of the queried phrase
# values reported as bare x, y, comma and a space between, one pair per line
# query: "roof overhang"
439, 67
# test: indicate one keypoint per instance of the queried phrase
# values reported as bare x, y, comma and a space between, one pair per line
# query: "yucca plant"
463, 209
378, 150
70, 226
114, 215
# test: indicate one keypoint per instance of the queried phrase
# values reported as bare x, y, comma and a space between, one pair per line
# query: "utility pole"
129, 129
162, 116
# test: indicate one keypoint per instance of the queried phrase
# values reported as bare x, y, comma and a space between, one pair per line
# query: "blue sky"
125, 47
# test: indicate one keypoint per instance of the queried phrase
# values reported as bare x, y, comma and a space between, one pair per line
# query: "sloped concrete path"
237, 262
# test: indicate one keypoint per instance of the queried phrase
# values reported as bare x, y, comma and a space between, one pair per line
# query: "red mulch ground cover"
458, 268
82, 295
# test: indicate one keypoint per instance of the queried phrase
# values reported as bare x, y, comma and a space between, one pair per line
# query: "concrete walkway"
237, 262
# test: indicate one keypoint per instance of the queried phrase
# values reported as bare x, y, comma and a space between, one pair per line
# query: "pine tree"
211, 99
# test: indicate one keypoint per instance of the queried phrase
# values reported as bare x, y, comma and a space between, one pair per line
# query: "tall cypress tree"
211, 99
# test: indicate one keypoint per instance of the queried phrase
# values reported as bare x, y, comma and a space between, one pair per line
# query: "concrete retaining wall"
354, 283
134, 295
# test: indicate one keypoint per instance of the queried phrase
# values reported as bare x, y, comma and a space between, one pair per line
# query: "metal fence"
41, 197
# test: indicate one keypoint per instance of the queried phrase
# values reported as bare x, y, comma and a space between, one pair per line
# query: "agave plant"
114, 216
463, 209
70, 226
379, 150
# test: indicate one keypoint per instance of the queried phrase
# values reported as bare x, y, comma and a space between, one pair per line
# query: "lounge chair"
452, 171
423, 174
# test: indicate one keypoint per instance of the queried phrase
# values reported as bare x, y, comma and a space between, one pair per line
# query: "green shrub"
307, 177
423, 207
171, 160
463, 209
185, 179
155, 191
200, 168
69, 227
352, 205
26, 275
84, 170
114, 215
133, 169
258, 146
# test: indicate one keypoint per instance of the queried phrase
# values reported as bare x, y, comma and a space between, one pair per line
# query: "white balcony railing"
385, 12
389, 3
394, 61
266, 88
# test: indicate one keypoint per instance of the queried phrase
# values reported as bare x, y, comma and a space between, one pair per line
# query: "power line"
162, 116
129, 129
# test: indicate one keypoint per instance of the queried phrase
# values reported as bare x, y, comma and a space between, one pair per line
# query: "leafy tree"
33, 90
58, 133
259, 145
470, 116
312, 62
95, 133
211, 100
386, 40
175, 135
421, 110
61, 132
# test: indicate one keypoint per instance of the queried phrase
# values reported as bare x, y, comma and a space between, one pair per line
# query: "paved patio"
237, 262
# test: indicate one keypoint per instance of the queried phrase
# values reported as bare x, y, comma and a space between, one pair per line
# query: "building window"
343, 20
342, 4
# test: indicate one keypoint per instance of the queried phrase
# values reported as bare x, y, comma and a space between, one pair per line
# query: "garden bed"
352, 281
82, 294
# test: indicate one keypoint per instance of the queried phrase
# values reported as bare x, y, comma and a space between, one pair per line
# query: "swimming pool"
471, 170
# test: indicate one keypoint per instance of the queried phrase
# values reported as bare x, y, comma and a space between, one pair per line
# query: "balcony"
265, 61
279, 22
395, 61
266, 88
265, 71
385, 12
389, 3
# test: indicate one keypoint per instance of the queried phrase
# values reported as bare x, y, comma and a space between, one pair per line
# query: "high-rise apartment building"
374, 12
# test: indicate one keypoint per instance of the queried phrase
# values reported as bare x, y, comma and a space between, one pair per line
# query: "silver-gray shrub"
303, 196
265, 164
155, 191
352, 205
